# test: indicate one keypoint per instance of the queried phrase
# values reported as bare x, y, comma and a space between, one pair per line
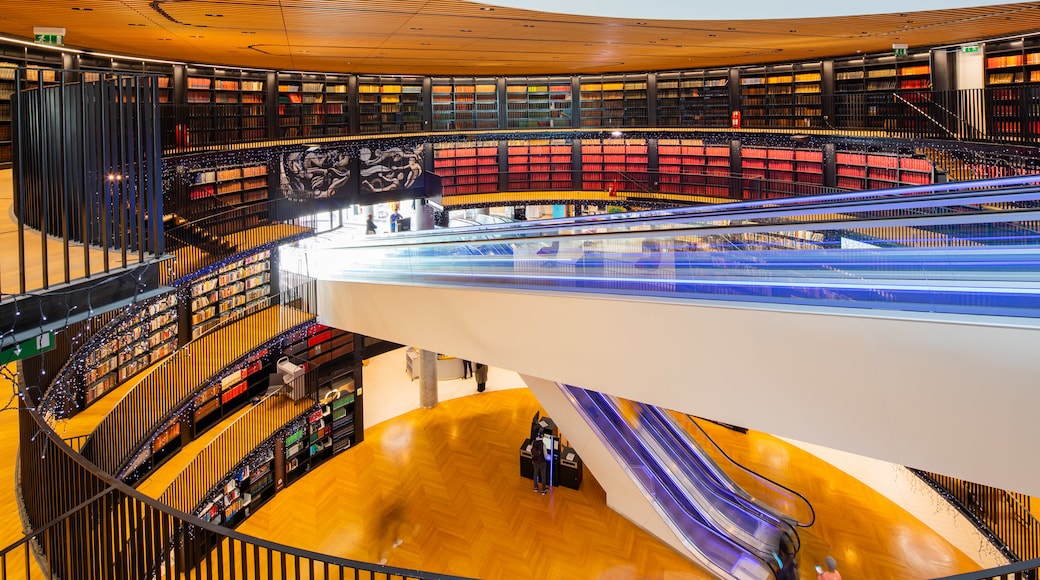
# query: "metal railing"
1006, 516
232, 445
992, 114
169, 386
86, 525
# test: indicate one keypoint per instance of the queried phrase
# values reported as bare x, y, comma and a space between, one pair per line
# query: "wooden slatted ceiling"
426, 36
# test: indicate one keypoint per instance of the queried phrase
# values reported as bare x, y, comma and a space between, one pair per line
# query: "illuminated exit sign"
49, 35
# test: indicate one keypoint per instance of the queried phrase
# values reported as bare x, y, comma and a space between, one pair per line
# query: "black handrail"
184, 537
755, 473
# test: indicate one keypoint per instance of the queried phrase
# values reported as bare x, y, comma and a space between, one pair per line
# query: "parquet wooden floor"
34, 248
447, 481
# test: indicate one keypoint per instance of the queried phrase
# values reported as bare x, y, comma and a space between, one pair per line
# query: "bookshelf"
236, 109
389, 105
689, 167
858, 171
228, 393
693, 99
464, 104
164, 84
8, 71
539, 102
142, 339
312, 104
614, 101
864, 89
620, 164
257, 481
224, 187
233, 291
782, 96
467, 167
1012, 69
336, 424
781, 171
249, 485
166, 442
540, 164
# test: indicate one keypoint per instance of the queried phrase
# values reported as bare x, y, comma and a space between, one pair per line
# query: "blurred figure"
480, 374
370, 225
388, 531
831, 572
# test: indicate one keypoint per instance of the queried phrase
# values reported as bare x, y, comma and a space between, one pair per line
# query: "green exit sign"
971, 49
52, 35
27, 348
52, 39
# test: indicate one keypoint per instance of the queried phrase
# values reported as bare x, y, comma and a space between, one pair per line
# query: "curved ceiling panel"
734, 9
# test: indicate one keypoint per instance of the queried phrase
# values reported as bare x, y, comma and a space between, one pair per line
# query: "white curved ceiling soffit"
733, 9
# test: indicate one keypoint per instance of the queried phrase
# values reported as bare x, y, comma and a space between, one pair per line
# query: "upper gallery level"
468, 38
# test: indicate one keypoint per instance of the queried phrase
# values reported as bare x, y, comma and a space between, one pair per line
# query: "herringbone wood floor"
447, 482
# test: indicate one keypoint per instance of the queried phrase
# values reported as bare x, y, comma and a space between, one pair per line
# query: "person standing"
539, 471
831, 573
394, 218
370, 225
480, 374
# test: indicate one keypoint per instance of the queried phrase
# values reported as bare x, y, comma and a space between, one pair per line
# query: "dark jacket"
480, 372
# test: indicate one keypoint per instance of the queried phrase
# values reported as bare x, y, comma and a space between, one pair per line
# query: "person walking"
831, 573
370, 225
480, 374
388, 530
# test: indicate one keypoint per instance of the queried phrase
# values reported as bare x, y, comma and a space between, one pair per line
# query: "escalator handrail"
756, 474
735, 493
736, 210
710, 489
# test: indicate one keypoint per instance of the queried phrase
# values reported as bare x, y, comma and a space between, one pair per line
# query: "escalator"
696, 469
722, 535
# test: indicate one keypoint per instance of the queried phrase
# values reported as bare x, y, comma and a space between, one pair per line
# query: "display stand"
565, 467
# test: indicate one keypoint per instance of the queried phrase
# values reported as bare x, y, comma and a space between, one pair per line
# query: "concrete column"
427, 379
